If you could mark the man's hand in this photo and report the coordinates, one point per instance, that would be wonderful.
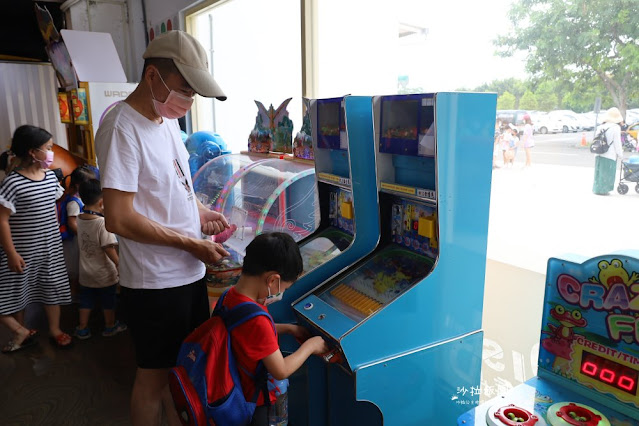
(208, 251)
(212, 222)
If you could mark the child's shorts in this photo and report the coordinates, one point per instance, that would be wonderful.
(89, 295)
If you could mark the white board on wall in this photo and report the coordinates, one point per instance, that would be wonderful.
(94, 56)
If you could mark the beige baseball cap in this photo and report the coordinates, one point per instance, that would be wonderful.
(190, 59)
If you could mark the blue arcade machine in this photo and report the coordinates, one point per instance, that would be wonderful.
(329, 209)
(405, 320)
(588, 366)
(349, 223)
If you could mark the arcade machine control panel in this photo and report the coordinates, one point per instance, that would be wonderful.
(588, 365)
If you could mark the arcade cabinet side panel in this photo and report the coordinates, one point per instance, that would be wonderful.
(361, 152)
(431, 386)
(448, 302)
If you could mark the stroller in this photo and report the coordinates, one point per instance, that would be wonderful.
(628, 143)
(629, 172)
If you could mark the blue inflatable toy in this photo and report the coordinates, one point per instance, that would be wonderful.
(194, 141)
(203, 147)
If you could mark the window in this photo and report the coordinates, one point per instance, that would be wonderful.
(253, 56)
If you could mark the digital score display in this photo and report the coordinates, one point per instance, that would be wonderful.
(609, 372)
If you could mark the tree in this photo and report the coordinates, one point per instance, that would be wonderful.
(512, 85)
(506, 101)
(546, 96)
(528, 101)
(579, 39)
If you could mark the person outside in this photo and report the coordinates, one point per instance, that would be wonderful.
(514, 143)
(271, 265)
(506, 141)
(98, 276)
(32, 268)
(150, 204)
(606, 163)
(527, 139)
(71, 206)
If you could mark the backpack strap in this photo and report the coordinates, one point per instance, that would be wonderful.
(235, 317)
(63, 217)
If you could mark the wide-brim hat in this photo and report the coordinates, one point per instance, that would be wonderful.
(612, 116)
(189, 57)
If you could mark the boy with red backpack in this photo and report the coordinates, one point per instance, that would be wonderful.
(271, 265)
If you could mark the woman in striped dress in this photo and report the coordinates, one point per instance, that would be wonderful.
(32, 267)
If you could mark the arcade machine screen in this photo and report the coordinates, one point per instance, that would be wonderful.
(377, 282)
(337, 224)
(333, 240)
(406, 258)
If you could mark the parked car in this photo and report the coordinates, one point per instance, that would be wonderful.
(543, 124)
(632, 115)
(588, 120)
(568, 122)
(512, 116)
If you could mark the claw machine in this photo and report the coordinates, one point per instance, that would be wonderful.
(588, 366)
(404, 322)
(256, 195)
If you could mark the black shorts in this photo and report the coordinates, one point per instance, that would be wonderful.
(159, 320)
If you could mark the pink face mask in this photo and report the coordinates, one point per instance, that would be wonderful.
(48, 160)
(175, 106)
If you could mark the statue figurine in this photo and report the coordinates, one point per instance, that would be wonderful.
(303, 142)
(273, 129)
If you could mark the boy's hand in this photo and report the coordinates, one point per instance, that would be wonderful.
(208, 251)
(300, 333)
(318, 345)
(16, 263)
(212, 222)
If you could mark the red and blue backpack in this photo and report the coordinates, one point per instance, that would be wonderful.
(63, 218)
(205, 384)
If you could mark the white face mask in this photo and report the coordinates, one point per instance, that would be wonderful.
(272, 298)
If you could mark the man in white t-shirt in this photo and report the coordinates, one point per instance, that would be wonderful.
(150, 204)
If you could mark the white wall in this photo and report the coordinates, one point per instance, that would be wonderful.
(113, 17)
(29, 95)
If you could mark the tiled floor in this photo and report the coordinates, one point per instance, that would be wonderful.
(88, 384)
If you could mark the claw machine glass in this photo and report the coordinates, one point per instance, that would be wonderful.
(256, 195)
(404, 322)
(588, 365)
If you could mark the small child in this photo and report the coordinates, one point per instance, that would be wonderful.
(271, 265)
(98, 263)
(70, 206)
(514, 144)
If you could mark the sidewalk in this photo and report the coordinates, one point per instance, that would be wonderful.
(548, 210)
